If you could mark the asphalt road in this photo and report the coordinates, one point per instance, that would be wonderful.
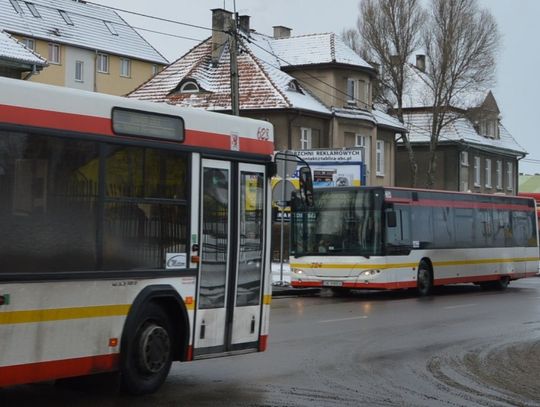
(460, 347)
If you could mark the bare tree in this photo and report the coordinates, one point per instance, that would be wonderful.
(351, 37)
(461, 41)
(390, 32)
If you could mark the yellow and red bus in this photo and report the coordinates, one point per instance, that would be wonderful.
(134, 234)
(393, 238)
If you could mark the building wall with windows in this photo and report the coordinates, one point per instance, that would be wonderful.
(63, 60)
(466, 170)
(337, 87)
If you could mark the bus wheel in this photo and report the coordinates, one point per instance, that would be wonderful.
(424, 281)
(147, 356)
(502, 283)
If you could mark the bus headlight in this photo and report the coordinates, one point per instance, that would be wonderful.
(298, 271)
(368, 273)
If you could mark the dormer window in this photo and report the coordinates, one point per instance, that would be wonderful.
(190, 87)
(295, 87)
(489, 128)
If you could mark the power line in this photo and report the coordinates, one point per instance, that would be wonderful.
(154, 17)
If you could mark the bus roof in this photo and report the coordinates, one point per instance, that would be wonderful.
(54, 107)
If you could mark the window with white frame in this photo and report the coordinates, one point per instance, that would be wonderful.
(54, 53)
(476, 171)
(488, 173)
(125, 67)
(79, 71)
(379, 164)
(510, 176)
(189, 87)
(465, 158)
(363, 92)
(305, 138)
(499, 174)
(103, 63)
(365, 142)
(29, 43)
(352, 91)
(155, 69)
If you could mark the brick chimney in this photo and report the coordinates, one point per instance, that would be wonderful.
(281, 31)
(244, 24)
(221, 21)
(421, 62)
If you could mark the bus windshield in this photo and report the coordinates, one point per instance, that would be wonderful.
(342, 222)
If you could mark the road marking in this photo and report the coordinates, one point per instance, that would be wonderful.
(343, 319)
(460, 306)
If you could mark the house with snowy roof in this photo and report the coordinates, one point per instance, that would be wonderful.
(86, 46)
(16, 60)
(475, 151)
(313, 88)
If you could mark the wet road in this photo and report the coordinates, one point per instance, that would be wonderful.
(461, 347)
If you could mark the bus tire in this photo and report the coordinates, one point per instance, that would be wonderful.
(424, 280)
(147, 356)
(502, 283)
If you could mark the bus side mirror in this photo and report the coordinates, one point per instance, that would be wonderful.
(306, 186)
(391, 219)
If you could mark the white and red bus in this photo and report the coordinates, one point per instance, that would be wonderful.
(393, 238)
(134, 234)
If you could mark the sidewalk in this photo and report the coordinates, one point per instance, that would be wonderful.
(281, 282)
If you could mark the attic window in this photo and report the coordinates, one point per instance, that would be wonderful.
(33, 9)
(189, 87)
(66, 17)
(295, 87)
(110, 27)
(16, 6)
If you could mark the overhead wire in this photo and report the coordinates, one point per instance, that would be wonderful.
(339, 91)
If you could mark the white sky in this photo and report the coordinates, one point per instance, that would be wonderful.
(517, 89)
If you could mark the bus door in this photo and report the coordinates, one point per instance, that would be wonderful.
(231, 248)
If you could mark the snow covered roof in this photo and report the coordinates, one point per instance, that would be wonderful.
(418, 92)
(262, 84)
(13, 51)
(315, 49)
(76, 23)
(460, 129)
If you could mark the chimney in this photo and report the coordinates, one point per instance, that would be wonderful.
(281, 31)
(221, 21)
(421, 62)
(244, 24)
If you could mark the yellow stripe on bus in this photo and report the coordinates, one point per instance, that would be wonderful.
(267, 299)
(60, 314)
(318, 265)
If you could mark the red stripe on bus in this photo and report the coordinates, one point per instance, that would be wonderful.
(189, 354)
(263, 343)
(56, 369)
(102, 126)
(55, 120)
(223, 142)
(412, 284)
(464, 204)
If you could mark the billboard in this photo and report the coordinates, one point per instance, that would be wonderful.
(334, 167)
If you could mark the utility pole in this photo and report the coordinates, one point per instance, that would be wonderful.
(235, 105)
